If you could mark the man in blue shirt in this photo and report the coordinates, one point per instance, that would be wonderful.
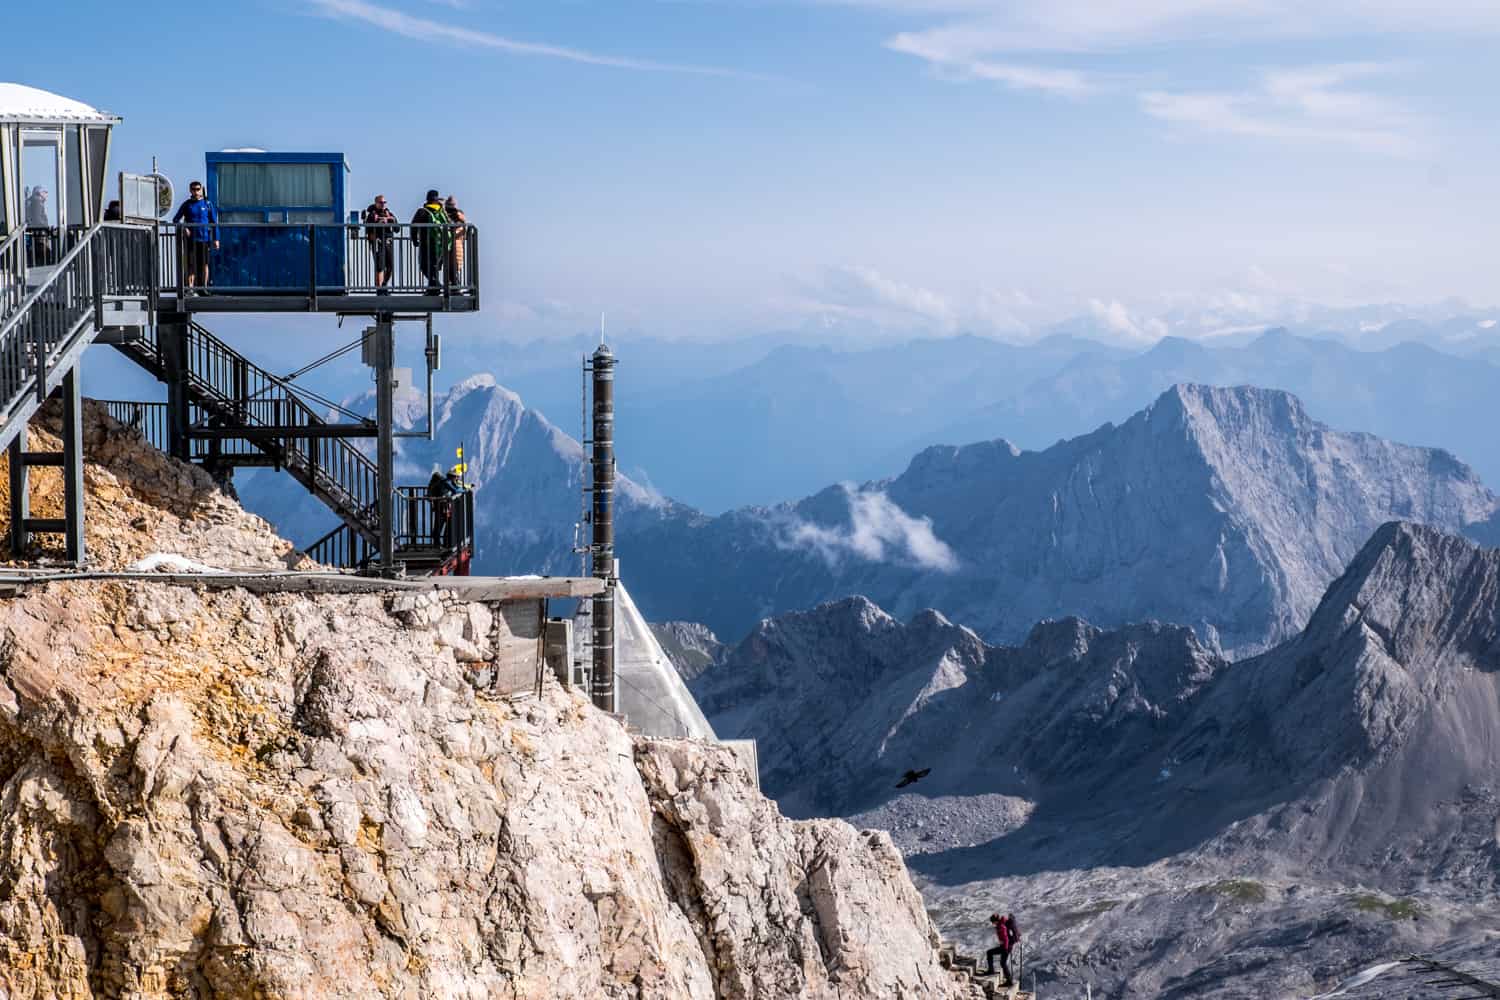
(202, 229)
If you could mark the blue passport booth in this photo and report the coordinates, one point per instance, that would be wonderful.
(281, 220)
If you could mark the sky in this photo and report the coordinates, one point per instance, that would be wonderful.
(710, 168)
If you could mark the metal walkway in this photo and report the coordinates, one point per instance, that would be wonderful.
(123, 285)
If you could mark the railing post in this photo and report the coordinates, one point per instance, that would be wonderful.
(172, 344)
(38, 322)
(100, 272)
(72, 400)
(20, 498)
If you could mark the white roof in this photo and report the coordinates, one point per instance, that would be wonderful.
(20, 103)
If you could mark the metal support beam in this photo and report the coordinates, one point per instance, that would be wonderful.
(72, 432)
(172, 336)
(384, 350)
(20, 499)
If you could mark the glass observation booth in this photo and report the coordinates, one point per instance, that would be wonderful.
(281, 219)
(54, 155)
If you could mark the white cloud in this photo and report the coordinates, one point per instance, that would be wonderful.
(1046, 46)
(860, 292)
(973, 29)
(1116, 317)
(878, 531)
(426, 30)
(1311, 104)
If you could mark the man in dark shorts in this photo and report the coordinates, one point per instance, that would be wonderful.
(198, 235)
(380, 233)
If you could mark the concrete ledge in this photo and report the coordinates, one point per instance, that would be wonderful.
(469, 588)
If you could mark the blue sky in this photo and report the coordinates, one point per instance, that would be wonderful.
(709, 167)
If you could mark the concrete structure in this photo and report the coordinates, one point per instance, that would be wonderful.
(649, 692)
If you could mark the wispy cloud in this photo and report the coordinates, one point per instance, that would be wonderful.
(424, 29)
(878, 531)
(1312, 104)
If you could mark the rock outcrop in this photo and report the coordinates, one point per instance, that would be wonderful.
(139, 502)
(212, 792)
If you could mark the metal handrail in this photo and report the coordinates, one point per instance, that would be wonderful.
(345, 472)
(12, 271)
(341, 258)
(25, 352)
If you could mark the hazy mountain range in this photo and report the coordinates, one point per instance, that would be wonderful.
(766, 419)
(1227, 510)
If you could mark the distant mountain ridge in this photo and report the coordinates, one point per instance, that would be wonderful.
(1227, 510)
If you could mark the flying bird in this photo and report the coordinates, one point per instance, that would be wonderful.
(912, 777)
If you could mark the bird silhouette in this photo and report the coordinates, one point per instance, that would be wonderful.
(912, 777)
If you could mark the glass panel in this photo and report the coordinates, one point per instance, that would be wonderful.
(306, 217)
(40, 161)
(304, 184)
(98, 152)
(7, 174)
(75, 196)
(228, 217)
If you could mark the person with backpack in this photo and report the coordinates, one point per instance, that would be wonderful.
(440, 492)
(433, 234)
(1007, 934)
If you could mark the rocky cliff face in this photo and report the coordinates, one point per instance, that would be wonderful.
(1227, 510)
(692, 647)
(844, 699)
(1172, 823)
(213, 792)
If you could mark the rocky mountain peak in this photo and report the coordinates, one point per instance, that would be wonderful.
(1422, 593)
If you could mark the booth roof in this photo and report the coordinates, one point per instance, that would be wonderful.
(20, 103)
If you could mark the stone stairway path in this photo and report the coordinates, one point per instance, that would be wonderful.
(964, 969)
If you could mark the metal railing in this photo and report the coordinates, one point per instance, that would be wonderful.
(344, 548)
(44, 322)
(444, 524)
(150, 419)
(249, 396)
(321, 259)
(43, 245)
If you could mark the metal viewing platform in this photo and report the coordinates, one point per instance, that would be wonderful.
(78, 268)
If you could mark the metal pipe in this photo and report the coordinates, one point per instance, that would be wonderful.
(602, 518)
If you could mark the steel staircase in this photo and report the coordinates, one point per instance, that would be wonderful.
(245, 415)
